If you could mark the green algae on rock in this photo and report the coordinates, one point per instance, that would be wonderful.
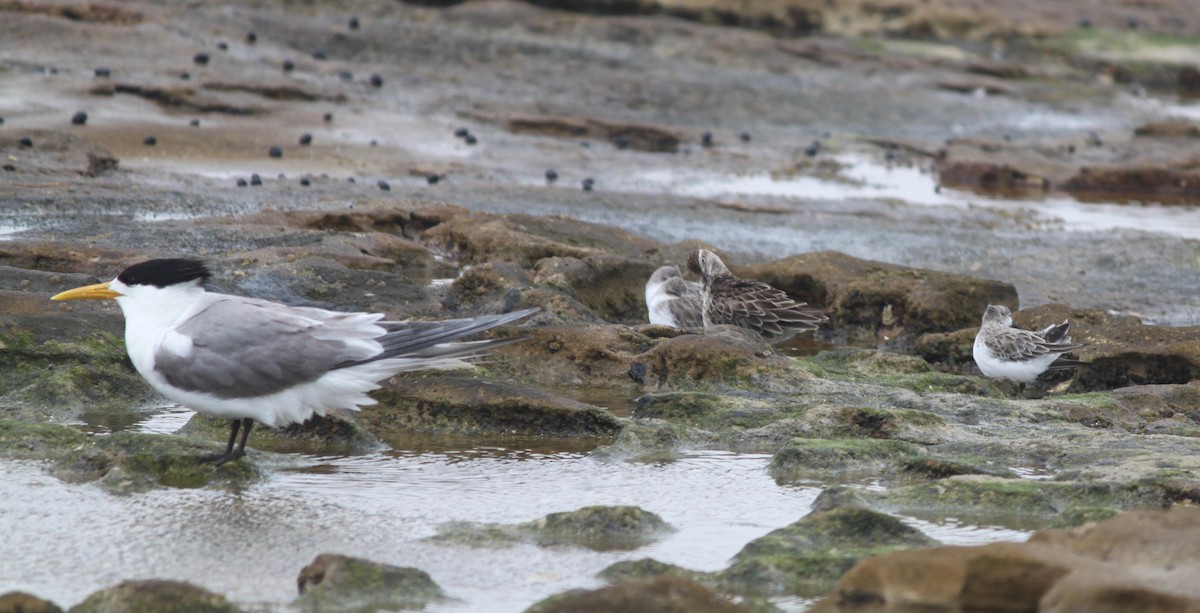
(20, 602)
(600, 528)
(806, 557)
(63, 379)
(456, 404)
(157, 596)
(822, 458)
(662, 595)
(343, 584)
(330, 434)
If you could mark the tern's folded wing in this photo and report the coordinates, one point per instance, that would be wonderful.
(246, 348)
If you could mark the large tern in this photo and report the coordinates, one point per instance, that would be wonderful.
(251, 360)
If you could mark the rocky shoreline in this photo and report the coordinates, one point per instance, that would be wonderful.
(884, 410)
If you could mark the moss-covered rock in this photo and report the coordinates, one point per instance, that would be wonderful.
(895, 370)
(20, 602)
(601, 528)
(804, 459)
(334, 582)
(648, 568)
(806, 557)
(21, 439)
(128, 462)
(724, 356)
(63, 379)
(331, 434)
(155, 596)
(662, 595)
(456, 404)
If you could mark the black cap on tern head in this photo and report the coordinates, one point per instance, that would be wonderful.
(164, 272)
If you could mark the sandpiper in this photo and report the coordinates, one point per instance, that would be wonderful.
(1002, 351)
(749, 304)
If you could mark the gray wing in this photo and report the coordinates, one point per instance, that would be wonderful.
(1017, 345)
(687, 303)
(243, 348)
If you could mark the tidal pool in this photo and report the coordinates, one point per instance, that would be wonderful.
(67, 540)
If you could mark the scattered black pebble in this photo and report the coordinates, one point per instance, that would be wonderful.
(9, 167)
(376, 81)
(223, 46)
(813, 149)
(637, 372)
(255, 179)
(1070, 148)
(470, 139)
(275, 151)
(251, 37)
(306, 139)
(551, 175)
(25, 141)
(149, 141)
(79, 118)
(346, 75)
(281, 176)
(351, 180)
(185, 75)
(433, 179)
(374, 143)
(745, 137)
(241, 183)
(1, 120)
(621, 142)
(706, 139)
(103, 72)
(328, 117)
(890, 155)
(461, 133)
(1008, 137)
(305, 182)
(200, 58)
(354, 23)
(588, 183)
(1085, 23)
(937, 189)
(383, 185)
(318, 54)
(1132, 23)
(1095, 140)
(826, 134)
(288, 65)
(195, 123)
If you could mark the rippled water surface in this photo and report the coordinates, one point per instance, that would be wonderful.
(72, 539)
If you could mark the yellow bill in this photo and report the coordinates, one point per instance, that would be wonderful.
(99, 291)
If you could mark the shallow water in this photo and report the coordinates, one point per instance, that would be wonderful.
(73, 539)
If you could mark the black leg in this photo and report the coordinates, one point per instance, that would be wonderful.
(233, 430)
(217, 459)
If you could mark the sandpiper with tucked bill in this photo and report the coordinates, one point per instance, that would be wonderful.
(1004, 352)
(750, 304)
(251, 360)
(674, 301)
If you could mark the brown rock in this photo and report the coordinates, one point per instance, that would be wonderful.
(723, 355)
(635, 136)
(525, 239)
(611, 286)
(1162, 182)
(995, 165)
(1172, 128)
(874, 300)
(557, 356)
(155, 595)
(661, 595)
(334, 582)
(20, 602)
(1122, 350)
(1138, 561)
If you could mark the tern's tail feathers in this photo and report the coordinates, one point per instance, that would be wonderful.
(432, 340)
